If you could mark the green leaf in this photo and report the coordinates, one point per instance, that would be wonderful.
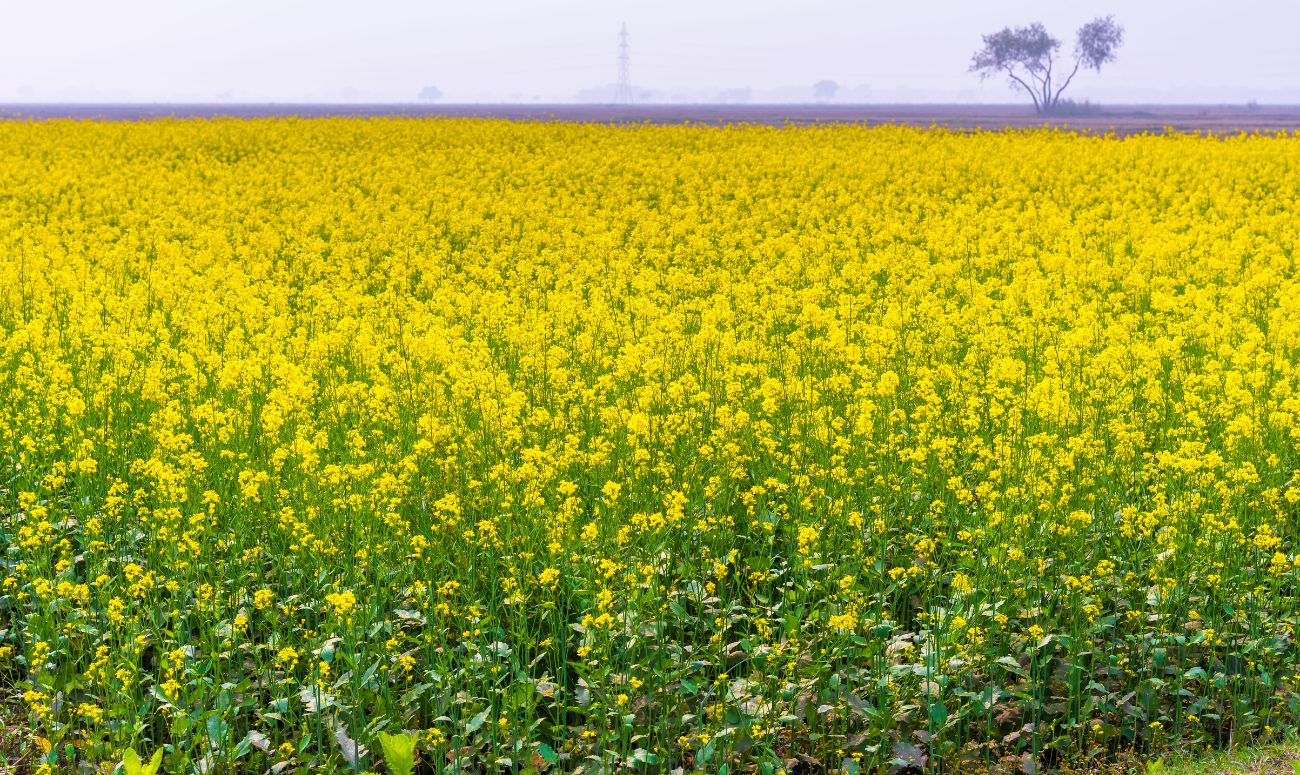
(370, 673)
(399, 752)
(217, 730)
(131, 762)
(477, 721)
(242, 749)
(938, 713)
(1012, 666)
(132, 766)
(548, 753)
(518, 695)
(414, 694)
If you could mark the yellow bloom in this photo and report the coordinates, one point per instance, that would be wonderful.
(342, 602)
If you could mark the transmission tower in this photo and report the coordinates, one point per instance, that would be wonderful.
(623, 89)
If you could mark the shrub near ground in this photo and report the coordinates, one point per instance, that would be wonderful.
(586, 447)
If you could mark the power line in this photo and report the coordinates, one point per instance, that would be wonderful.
(623, 87)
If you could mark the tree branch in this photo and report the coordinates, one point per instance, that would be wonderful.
(1047, 86)
(1032, 94)
(1057, 97)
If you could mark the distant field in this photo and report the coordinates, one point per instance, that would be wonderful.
(1125, 119)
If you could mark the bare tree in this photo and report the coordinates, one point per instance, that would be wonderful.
(825, 90)
(1027, 56)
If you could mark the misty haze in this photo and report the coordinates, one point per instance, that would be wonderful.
(1188, 51)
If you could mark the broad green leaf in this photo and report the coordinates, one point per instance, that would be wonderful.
(477, 721)
(132, 765)
(131, 762)
(217, 730)
(938, 713)
(399, 752)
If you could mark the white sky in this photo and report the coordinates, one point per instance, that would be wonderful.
(525, 50)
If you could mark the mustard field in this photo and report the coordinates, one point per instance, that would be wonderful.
(473, 446)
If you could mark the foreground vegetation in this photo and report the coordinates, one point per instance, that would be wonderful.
(1276, 759)
(560, 447)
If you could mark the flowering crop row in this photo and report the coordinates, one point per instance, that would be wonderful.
(573, 447)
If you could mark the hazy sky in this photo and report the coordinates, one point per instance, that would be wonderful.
(476, 50)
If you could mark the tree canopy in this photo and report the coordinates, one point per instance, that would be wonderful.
(1027, 56)
(825, 90)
